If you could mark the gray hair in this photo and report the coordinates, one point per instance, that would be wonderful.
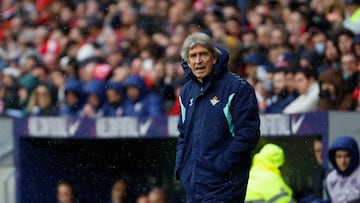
(198, 38)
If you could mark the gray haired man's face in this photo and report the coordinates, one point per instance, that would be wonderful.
(201, 61)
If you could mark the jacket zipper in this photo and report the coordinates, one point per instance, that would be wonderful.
(202, 88)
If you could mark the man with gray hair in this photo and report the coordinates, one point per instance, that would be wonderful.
(218, 125)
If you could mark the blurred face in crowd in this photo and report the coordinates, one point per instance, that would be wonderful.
(318, 147)
(345, 43)
(113, 96)
(230, 11)
(319, 41)
(278, 82)
(176, 12)
(304, 63)
(302, 83)
(171, 69)
(71, 98)
(289, 82)
(58, 78)
(40, 73)
(65, 194)
(277, 37)
(233, 27)
(157, 197)
(248, 39)
(295, 23)
(93, 100)
(86, 72)
(331, 53)
(348, 64)
(201, 61)
(50, 60)
(142, 199)
(254, 18)
(133, 93)
(119, 192)
(120, 73)
(218, 30)
(8, 80)
(263, 35)
(158, 72)
(43, 97)
(342, 159)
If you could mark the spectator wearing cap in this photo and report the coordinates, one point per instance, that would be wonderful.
(139, 101)
(352, 13)
(256, 69)
(73, 101)
(308, 88)
(95, 94)
(115, 94)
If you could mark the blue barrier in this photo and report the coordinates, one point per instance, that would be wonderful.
(38, 169)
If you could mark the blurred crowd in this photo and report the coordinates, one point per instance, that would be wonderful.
(122, 57)
(120, 193)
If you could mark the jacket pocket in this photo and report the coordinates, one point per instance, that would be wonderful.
(209, 167)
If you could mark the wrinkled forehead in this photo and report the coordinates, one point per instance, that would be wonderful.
(198, 46)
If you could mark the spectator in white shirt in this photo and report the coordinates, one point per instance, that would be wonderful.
(308, 89)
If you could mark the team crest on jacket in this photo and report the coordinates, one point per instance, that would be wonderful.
(214, 100)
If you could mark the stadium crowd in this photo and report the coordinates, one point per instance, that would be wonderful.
(121, 57)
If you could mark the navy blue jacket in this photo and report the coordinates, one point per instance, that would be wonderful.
(219, 127)
(75, 86)
(147, 104)
(111, 110)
